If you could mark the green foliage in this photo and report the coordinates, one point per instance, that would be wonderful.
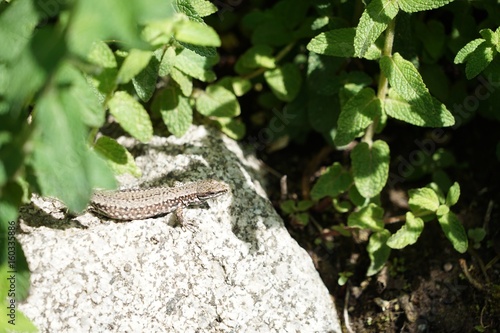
(297, 210)
(317, 70)
(62, 68)
(479, 53)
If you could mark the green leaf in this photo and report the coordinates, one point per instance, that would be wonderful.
(478, 60)
(118, 158)
(80, 96)
(323, 76)
(369, 217)
(257, 56)
(408, 234)
(203, 7)
(9, 204)
(333, 182)
(145, 82)
(131, 116)
(217, 101)
(356, 198)
(240, 86)
(356, 115)
(195, 65)
(304, 205)
(31, 69)
(343, 277)
(454, 231)
(403, 77)
(322, 111)
(135, 62)
(378, 251)
(167, 60)
(453, 194)
(373, 22)
(337, 43)
(64, 166)
(430, 113)
(423, 201)
(433, 36)
(196, 33)
(17, 22)
(288, 206)
(284, 81)
(233, 128)
(370, 167)
(95, 20)
(408, 84)
(101, 54)
(442, 210)
(174, 109)
(476, 234)
(184, 81)
(467, 50)
(412, 6)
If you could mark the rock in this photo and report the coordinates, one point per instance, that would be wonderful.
(237, 271)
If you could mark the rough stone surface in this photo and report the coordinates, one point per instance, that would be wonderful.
(237, 271)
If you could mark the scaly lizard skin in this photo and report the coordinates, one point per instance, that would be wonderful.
(144, 203)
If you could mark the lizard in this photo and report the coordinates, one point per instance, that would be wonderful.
(138, 204)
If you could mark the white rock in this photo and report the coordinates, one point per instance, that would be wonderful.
(237, 271)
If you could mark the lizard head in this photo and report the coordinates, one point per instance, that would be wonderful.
(211, 188)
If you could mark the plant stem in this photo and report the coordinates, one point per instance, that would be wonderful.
(383, 84)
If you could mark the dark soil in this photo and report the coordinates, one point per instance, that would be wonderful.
(426, 287)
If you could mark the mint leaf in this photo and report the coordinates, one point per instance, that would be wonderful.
(195, 65)
(101, 54)
(373, 22)
(167, 60)
(478, 60)
(145, 82)
(412, 6)
(453, 194)
(454, 231)
(356, 115)
(196, 33)
(68, 169)
(118, 158)
(184, 81)
(333, 182)
(174, 109)
(430, 113)
(467, 50)
(233, 128)
(378, 251)
(203, 7)
(338, 43)
(369, 217)
(258, 56)
(408, 234)
(217, 101)
(370, 167)
(408, 84)
(131, 116)
(403, 77)
(135, 62)
(423, 201)
(17, 22)
(284, 81)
